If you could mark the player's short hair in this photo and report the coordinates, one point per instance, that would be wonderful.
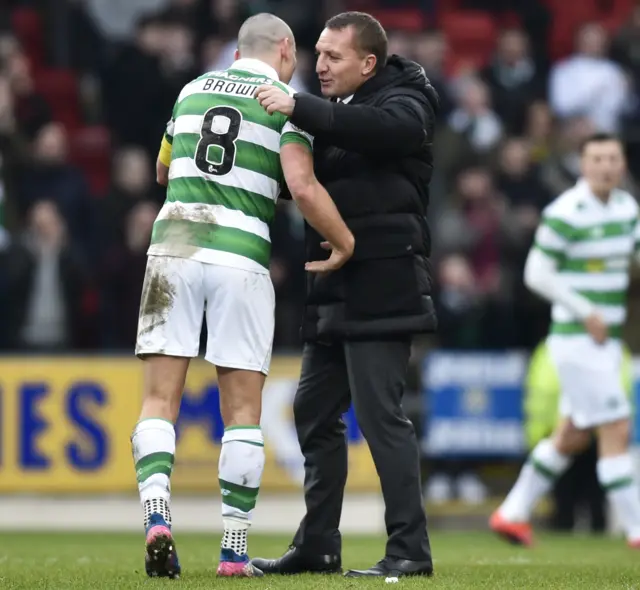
(260, 33)
(369, 34)
(600, 137)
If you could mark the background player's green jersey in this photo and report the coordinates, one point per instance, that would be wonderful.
(225, 173)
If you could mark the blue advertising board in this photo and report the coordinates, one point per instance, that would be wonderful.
(473, 404)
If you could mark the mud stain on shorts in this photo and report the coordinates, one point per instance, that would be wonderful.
(158, 296)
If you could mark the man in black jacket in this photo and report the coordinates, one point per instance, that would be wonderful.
(374, 157)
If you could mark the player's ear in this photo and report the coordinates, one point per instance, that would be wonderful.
(236, 55)
(285, 48)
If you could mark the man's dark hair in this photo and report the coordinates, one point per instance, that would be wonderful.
(369, 34)
(600, 137)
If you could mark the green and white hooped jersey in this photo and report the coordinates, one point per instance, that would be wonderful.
(592, 244)
(225, 174)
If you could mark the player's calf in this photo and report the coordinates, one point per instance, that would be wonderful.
(616, 474)
(241, 465)
(240, 472)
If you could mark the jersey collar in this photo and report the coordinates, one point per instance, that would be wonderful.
(586, 191)
(255, 66)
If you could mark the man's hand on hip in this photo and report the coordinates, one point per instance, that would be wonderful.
(337, 259)
(274, 100)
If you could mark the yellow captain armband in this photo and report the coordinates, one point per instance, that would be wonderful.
(165, 152)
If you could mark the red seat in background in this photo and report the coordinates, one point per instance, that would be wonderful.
(26, 25)
(90, 150)
(471, 35)
(60, 89)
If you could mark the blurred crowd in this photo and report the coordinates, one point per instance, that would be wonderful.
(72, 252)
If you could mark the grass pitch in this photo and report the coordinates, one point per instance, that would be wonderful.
(462, 561)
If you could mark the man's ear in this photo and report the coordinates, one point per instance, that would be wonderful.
(236, 55)
(369, 65)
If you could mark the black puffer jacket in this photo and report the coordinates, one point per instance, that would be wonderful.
(374, 157)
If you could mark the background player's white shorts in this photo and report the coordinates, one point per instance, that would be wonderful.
(590, 375)
(239, 305)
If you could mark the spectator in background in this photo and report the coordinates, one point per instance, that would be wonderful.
(518, 180)
(177, 57)
(11, 149)
(626, 44)
(117, 19)
(138, 100)
(123, 274)
(401, 43)
(534, 16)
(562, 169)
(46, 280)
(626, 51)
(49, 175)
(458, 304)
(184, 12)
(539, 130)
(430, 51)
(31, 109)
(473, 129)
(589, 84)
(514, 79)
(485, 232)
(132, 184)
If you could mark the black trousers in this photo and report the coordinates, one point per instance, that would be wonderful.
(579, 488)
(372, 375)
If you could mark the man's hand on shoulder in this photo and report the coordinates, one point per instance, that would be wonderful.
(274, 100)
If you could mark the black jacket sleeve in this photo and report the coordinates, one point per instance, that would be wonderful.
(399, 126)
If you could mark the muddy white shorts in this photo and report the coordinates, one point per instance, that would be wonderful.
(590, 375)
(239, 307)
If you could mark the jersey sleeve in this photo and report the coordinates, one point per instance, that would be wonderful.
(164, 154)
(292, 134)
(552, 237)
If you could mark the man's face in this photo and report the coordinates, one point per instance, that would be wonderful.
(592, 41)
(603, 165)
(341, 67)
(513, 47)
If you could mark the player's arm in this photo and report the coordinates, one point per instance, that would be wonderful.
(164, 155)
(541, 268)
(541, 275)
(316, 205)
(400, 125)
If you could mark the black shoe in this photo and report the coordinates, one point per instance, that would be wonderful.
(295, 561)
(394, 568)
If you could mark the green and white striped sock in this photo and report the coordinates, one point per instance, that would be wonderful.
(154, 446)
(536, 478)
(240, 472)
(617, 477)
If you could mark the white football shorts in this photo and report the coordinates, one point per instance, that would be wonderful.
(590, 375)
(239, 307)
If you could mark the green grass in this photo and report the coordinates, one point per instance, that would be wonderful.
(462, 561)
